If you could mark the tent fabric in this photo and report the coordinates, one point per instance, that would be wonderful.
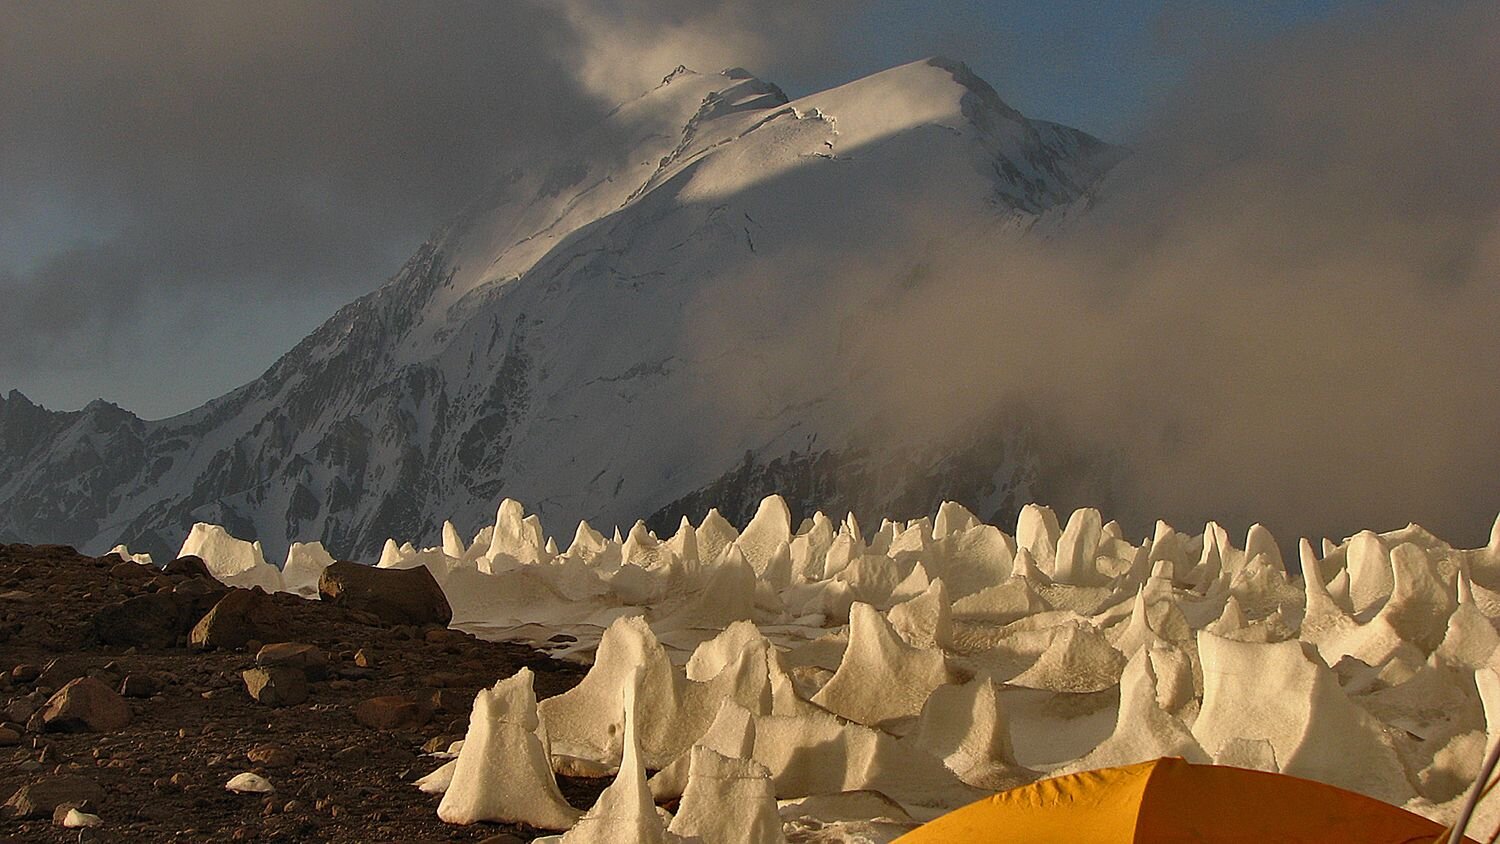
(1171, 800)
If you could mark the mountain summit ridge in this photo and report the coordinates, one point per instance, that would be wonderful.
(593, 336)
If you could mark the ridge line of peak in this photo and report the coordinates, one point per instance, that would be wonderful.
(965, 76)
(680, 70)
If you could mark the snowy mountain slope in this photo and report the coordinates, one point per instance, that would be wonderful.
(602, 334)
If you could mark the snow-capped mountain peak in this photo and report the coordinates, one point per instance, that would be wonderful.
(560, 342)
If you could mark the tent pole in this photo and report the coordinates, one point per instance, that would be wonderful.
(1490, 761)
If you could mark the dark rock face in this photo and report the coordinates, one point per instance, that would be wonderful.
(240, 617)
(397, 596)
(86, 705)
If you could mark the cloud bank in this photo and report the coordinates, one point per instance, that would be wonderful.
(1282, 307)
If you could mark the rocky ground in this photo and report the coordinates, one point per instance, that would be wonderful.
(127, 695)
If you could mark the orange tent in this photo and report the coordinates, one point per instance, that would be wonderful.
(1171, 800)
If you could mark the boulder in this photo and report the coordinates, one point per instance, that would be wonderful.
(397, 596)
(189, 566)
(145, 621)
(203, 589)
(19, 710)
(85, 705)
(41, 798)
(271, 756)
(391, 712)
(132, 571)
(61, 669)
(276, 685)
(309, 659)
(139, 685)
(241, 616)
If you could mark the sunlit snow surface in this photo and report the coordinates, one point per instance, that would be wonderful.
(851, 681)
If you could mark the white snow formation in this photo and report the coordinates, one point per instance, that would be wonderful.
(504, 772)
(786, 684)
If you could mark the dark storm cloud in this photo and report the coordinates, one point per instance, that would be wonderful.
(159, 152)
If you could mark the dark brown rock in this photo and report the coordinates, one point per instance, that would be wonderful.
(199, 587)
(40, 798)
(139, 685)
(365, 617)
(397, 596)
(198, 594)
(240, 616)
(154, 620)
(450, 700)
(271, 756)
(190, 566)
(60, 670)
(21, 709)
(133, 571)
(309, 659)
(276, 685)
(391, 712)
(85, 705)
(61, 810)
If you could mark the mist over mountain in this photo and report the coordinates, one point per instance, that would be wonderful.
(598, 336)
(1277, 307)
